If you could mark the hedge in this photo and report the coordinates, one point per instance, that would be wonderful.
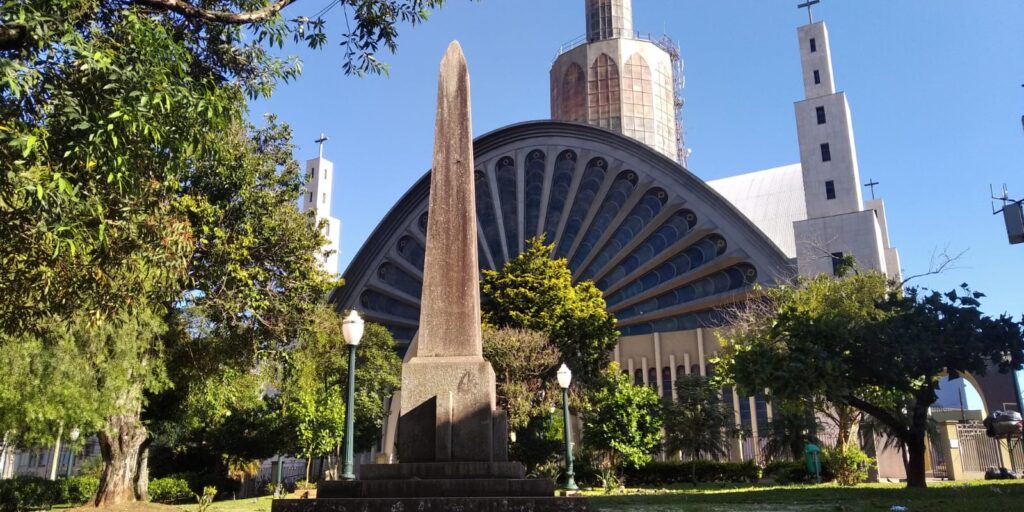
(788, 472)
(661, 473)
(171, 489)
(29, 492)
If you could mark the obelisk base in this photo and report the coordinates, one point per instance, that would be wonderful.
(449, 412)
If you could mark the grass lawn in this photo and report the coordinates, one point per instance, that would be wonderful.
(952, 497)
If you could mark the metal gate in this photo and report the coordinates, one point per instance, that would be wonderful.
(978, 452)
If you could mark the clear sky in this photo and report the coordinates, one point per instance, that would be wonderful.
(934, 88)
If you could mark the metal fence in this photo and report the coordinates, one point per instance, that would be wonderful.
(978, 452)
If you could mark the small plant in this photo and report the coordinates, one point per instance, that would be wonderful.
(548, 470)
(610, 480)
(849, 465)
(305, 485)
(204, 501)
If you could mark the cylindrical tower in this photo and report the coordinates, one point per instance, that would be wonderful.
(617, 80)
(609, 18)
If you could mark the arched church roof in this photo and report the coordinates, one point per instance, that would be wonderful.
(663, 246)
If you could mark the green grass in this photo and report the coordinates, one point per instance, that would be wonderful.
(947, 496)
(952, 496)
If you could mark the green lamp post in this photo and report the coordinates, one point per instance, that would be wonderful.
(352, 330)
(564, 379)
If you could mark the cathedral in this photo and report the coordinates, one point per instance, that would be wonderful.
(605, 180)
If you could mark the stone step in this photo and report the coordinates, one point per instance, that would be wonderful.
(536, 504)
(435, 470)
(436, 488)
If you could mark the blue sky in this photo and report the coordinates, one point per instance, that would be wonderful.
(934, 88)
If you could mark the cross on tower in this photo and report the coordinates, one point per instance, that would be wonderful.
(871, 184)
(808, 5)
(320, 141)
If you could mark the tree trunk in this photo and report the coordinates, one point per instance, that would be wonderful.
(915, 468)
(142, 472)
(121, 442)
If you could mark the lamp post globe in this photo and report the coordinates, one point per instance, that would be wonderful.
(352, 331)
(564, 375)
(73, 436)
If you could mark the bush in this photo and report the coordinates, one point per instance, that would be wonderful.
(28, 492)
(169, 489)
(78, 489)
(786, 472)
(848, 466)
(662, 473)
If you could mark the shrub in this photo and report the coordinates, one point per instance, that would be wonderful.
(848, 466)
(303, 485)
(78, 489)
(785, 472)
(28, 492)
(169, 490)
(661, 473)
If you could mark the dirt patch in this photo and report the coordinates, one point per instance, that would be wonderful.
(127, 507)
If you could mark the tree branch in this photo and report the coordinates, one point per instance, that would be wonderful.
(882, 415)
(188, 10)
(945, 262)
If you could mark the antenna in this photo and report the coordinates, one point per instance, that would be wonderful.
(1013, 214)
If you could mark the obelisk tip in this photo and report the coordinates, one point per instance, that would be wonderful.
(453, 56)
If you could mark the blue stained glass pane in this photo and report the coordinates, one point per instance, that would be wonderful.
(410, 250)
(593, 176)
(374, 301)
(506, 176)
(534, 187)
(398, 279)
(745, 412)
(673, 229)
(617, 195)
(565, 166)
(487, 219)
(761, 409)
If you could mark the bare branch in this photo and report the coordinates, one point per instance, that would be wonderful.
(189, 10)
(938, 264)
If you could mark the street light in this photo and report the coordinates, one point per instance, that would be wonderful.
(73, 436)
(352, 330)
(564, 379)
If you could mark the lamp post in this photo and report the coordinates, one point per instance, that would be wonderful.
(352, 330)
(73, 436)
(564, 378)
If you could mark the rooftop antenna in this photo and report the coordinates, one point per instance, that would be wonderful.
(807, 5)
(320, 141)
(1013, 214)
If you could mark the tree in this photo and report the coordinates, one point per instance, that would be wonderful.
(524, 362)
(792, 427)
(316, 377)
(859, 342)
(697, 423)
(623, 421)
(534, 291)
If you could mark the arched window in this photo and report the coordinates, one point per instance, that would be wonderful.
(603, 93)
(572, 95)
(680, 371)
(666, 382)
(637, 100)
(638, 377)
(709, 370)
(695, 369)
(652, 378)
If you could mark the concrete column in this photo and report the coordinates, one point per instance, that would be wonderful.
(629, 365)
(735, 448)
(643, 364)
(686, 363)
(700, 352)
(755, 447)
(616, 354)
(951, 450)
(675, 377)
(657, 364)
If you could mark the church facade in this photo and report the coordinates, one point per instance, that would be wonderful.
(603, 182)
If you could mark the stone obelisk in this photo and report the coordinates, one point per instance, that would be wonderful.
(448, 410)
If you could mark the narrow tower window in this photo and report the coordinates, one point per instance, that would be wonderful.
(820, 112)
(826, 153)
(837, 261)
(814, 45)
(310, 200)
(324, 200)
(830, 189)
(817, 77)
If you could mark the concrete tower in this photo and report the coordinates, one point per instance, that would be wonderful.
(317, 199)
(838, 222)
(616, 80)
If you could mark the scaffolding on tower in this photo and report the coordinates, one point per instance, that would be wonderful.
(671, 47)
